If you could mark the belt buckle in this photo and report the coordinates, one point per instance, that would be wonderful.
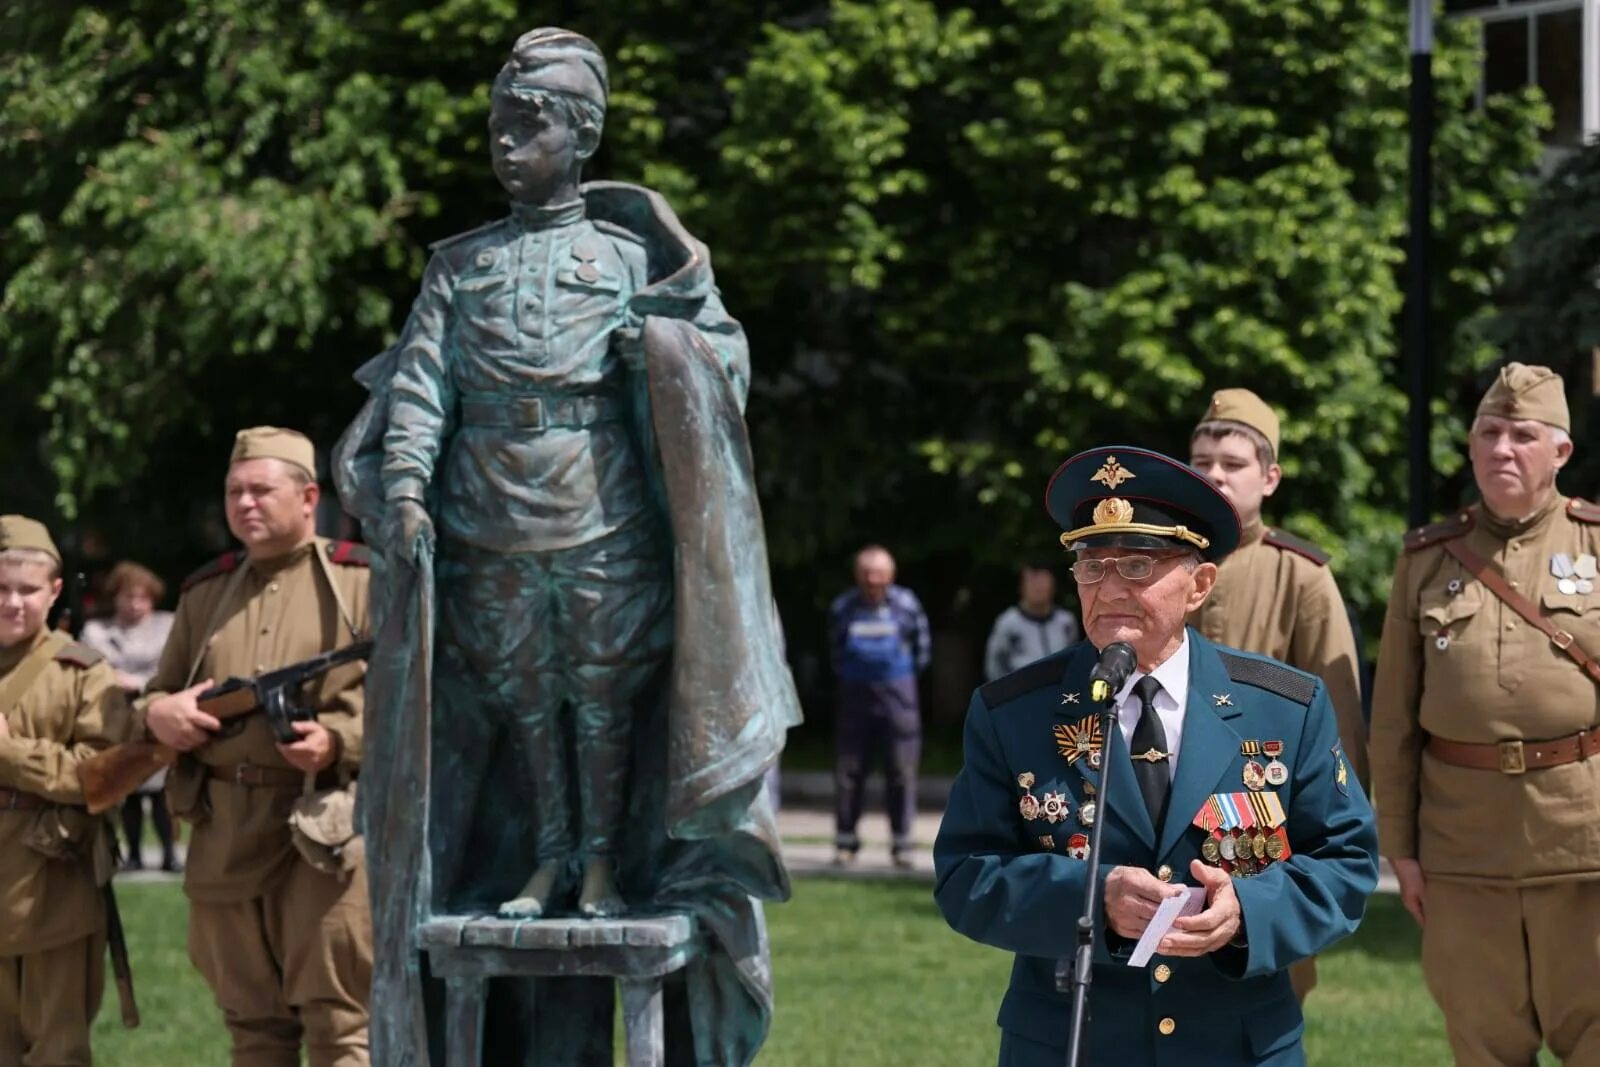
(1561, 639)
(532, 411)
(1511, 758)
(240, 773)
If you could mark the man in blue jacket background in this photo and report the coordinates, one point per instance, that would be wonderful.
(1228, 775)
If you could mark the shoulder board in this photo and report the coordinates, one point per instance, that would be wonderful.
(1298, 545)
(349, 554)
(78, 655)
(221, 565)
(1445, 530)
(1278, 678)
(455, 239)
(1583, 510)
(1040, 674)
(612, 228)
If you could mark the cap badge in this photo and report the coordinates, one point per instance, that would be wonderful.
(1111, 473)
(1113, 511)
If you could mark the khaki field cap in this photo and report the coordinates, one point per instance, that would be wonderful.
(270, 442)
(1525, 391)
(19, 531)
(1241, 405)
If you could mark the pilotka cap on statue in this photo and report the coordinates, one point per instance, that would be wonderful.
(1526, 391)
(19, 531)
(271, 442)
(554, 60)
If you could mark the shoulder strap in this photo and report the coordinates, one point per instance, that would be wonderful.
(1583, 511)
(21, 679)
(1445, 530)
(325, 568)
(1298, 545)
(1485, 573)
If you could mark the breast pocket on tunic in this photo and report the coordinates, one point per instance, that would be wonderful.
(1577, 615)
(1450, 614)
(483, 301)
(587, 293)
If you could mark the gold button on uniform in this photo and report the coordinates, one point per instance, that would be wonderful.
(1163, 972)
(1164, 873)
(1166, 1026)
(273, 588)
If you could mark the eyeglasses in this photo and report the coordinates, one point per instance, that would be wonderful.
(1132, 568)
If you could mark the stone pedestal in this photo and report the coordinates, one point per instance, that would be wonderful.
(639, 951)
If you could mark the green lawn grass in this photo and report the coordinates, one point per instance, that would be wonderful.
(866, 972)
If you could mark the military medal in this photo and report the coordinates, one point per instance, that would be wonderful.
(1078, 846)
(1226, 848)
(1210, 851)
(1029, 804)
(1258, 844)
(1277, 847)
(1585, 570)
(1047, 843)
(1054, 807)
(1086, 813)
(1277, 773)
(1077, 740)
(1566, 572)
(1441, 640)
(1255, 775)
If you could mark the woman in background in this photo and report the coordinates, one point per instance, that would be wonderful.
(132, 640)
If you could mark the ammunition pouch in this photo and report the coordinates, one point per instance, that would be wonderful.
(186, 790)
(322, 825)
(61, 832)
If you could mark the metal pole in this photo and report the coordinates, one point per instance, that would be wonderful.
(1419, 279)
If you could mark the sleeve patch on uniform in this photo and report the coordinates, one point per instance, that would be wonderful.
(349, 554)
(1036, 675)
(1298, 545)
(79, 655)
(221, 565)
(1341, 772)
(1273, 677)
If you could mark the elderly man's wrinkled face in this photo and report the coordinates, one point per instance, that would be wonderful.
(1149, 613)
(1514, 462)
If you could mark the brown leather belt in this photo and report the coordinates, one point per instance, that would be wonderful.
(249, 774)
(13, 800)
(1515, 757)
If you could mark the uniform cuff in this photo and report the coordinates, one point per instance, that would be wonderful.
(408, 488)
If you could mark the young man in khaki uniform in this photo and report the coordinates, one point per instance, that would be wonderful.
(1483, 738)
(1275, 594)
(59, 703)
(285, 947)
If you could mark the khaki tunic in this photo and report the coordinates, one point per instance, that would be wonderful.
(1275, 596)
(72, 710)
(1458, 663)
(276, 612)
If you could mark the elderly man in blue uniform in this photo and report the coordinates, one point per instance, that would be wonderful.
(1228, 775)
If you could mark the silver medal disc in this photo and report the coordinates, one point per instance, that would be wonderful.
(1568, 586)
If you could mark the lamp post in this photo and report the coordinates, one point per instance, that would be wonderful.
(1418, 277)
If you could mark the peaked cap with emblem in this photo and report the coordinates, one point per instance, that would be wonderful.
(272, 442)
(1119, 496)
(550, 59)
(1247, 409)
(19, 531)
(1527, 391)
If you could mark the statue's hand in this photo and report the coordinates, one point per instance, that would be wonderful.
(410, 527)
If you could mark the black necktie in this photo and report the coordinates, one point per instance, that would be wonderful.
(1149, 751)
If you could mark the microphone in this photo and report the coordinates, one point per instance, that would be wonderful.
(1117, 661)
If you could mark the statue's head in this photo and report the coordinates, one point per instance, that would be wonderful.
(546, 113)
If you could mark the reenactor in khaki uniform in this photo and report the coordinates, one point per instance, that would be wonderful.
(59, 703)
(1484, 736)
(1275, 594)
(285, 946)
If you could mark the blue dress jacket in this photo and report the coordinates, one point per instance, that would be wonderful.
(1012, 881)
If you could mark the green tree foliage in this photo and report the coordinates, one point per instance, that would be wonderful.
(965, 240)
(1551, 298)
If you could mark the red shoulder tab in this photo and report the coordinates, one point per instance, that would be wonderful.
(1583, 510)
(81, 656)
(349, 554)
(1298, 545)
(1447, 530)
(224, 563)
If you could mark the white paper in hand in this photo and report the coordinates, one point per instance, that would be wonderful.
(1189, 903)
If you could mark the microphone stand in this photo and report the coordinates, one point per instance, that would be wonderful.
(1077, 971)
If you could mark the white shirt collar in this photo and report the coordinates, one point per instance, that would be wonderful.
(1172, 673)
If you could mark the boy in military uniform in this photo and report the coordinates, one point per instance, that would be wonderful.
(285, 945)
(1228, 776)
(59, 704)
(1484, 735)
(1274, 593)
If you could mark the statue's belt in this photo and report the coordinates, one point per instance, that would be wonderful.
(539, 412)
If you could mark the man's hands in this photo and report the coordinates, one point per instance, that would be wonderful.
(1413, 887)
(177, 721)
(1132, 897)
(1219, 923)
(410, 525)
(315, 751)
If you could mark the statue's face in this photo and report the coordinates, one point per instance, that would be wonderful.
(534, 150)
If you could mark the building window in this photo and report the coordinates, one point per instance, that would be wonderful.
(1543, 43)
